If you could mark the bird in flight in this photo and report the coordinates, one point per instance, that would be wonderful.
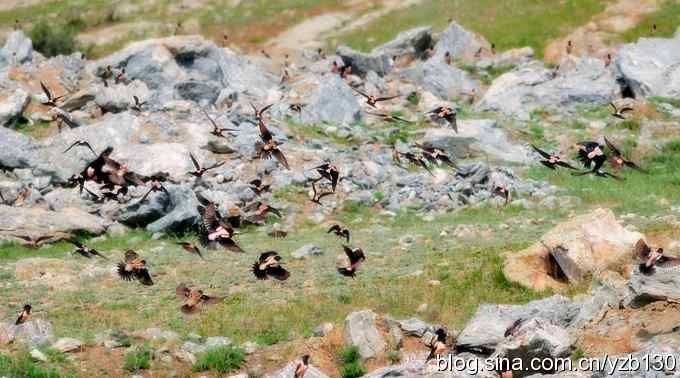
(339, 231)
(552, 161)
(84, 250)
(191, 248)
(268, 148)
(389, 118)
(445, 113)
(51, 99)
(269, 266)
(317, 195)
(617, 160)
(356, 257)
(652, 259)
(137, 106)
(620, 112)
(194, 300)
(134, 267)
(217, 131)
(81, 143)
(199, 170)
(213, 229)
(329, 172)
(373, 100)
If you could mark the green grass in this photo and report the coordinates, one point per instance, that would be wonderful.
(139, 358)
(22, 365)
(351, 362)
(665, 17)
(508, 24)
(222, 360)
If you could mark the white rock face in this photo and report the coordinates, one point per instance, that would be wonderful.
(361, 331)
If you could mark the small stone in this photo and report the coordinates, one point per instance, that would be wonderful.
(249, 347)
(38, 355)
(306, 251)
(66, 344)
(217, 341)
(434, 283)
(323, 329)
(422, 308)
(117, 229)
(184, 356)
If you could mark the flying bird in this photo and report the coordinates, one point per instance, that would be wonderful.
(194, 300)
(651, 259)
(269, 266)
(617, 160)
(258, 186)
(199, 170)
(24, 315)
(502, 191)
(51, 100)
(412, 158)
(268, 148)
(339, 231)
(514, 328)
(591, 154)
(216, 131)
(445, 113)
(329, 172)
(389, 118)
(259, 113)
(436, 156)
(438, 346)
(156, 186)
(356, 257)
(137, 105)
(134, 267)
(317, 195)
(620, 112)
(373, 100)
(214, 229)
(84, 250)
(552, 161)
(191, 248)
(80, 143)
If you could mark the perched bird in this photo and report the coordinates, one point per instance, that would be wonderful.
(156, 186)
(51, 100)
(216, 131)
(608, 60)
(134, 267)
(438, 346)
(502, 191)
(356, 257)
(329, 172)
(493, 49)
(654, 28)
(258, 186)
(651, 259)
(317, 195)
(447, 58)
(445, 113)
(296, 107)
(199, 171)
(619, 112)
(189, 247)
(268, 147)
(552, 161)
(570, 47)
(269, 266)
(340, 231)
(617, 160)
(591, 154)
(137, 105)
(60, 117)
(81, 143)
(436, 156)
(194, 300)
(120, 77)
(389, 118)
(84, 250)
(106, 75)
(214, 229)
(24, 315)
(259, 113)
(302, 366)
(373, 100)
(514, 328)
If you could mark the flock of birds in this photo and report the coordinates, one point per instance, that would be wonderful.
(216, 230)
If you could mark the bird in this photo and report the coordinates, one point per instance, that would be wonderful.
(258, 186)
(591, 154)
(356, 257)
(138, 104)
(24, 315)
(317, 195)
(552, 161)
(654, 28)
(51, 100)
(259, 113)
(570, 47)
(438, 346)
(81, 143)
(84, 250)
(514, 328)
(652, 259)
(33, 242)
(120, 77)
(608, 60)
(302, 366)
(156, 186)
(106, 75)
(199, 171)
(214, 229)
(329, 172)
(269, 266)
(617, 160)
(414, 159)
(268, 147)
(60, 117)
(134, 267)
(445, 113)
(436, 156)
(502, 191)
(216, 131)
(373, 100)
(340, 231)
(619, 112)
(389, 118)
(259, 210)
(194, 300)
(191, 248)
(296, 107)
(447, 58)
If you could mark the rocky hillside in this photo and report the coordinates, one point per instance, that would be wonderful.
(460, 241)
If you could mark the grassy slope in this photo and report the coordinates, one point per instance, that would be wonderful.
(508, 24)
(666, 18)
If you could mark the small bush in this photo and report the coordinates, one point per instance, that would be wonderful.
(60, 40)
(413, 98)
(350, 354)
(23, 366)
(271, 337)
(353, 370)
(138, 359)
(672, 147)
(394, 356)
(222, 360)
(630, 124)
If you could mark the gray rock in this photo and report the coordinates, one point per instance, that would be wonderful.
(18, 49)
(67, 344)
(656, 355)
(119, 97)
(33, 333)
(307, 251)
(459, 42)
(193, 348)
(20, 151)
(38, 355)
(362, 63)
(323, 329)
(330, 100)
(289, 371)
(414, 327)
(217, 341)
(661, 285)
(157, 334)
(411, 43)
(485, 330)
(442, 80)
(197, 91)
(649, 67)
(12, 107)
(594, 306)
(361, 331)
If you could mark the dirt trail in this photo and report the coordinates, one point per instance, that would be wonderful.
(593, 37)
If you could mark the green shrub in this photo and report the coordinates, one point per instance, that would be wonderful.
(51, 41)
(271, 337)
(222, 359)
(137, 359)
(353, 370)
(672, 147)
(350, 354)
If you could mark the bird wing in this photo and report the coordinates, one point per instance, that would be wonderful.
(281, 158)
(143, 276)
(668, 262)
(385, 98)
(46, 90)
(334, 228)
(130, 256)
(230, 244)
(265, 134)
(216, 165)
(360, 92)
(278, 272)
(564, 164)
(263, 110)
(541, 152)
(194, 161)
(612, 147)
(182, 291)
(642, 250)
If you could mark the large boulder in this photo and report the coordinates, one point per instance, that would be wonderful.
(32, 333)
(362, 332)
(579, 81)
(443, 80)
(662, 285)
(12, 107)
(329, 100)
(487, 327)
(18, 49)
(459, 42)
(412, 43)
(20, 151)
(363, 63)
(118, 97)
(651, 66)
(586, 244)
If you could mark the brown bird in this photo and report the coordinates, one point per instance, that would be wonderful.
(194, 300)
(552, 161)
(259, 113)
(591, 153)
(502, 191)
(356, 257)
(373, 100)
(654, 28)
(217, 131)
(329, 172)
(138, 104)
(199, 170)
(84, 250)
(389, 118)
(61, 117)
(24, 315)
(651, 259)
(51, 100)
(599, 173)
(317, 195)
(191, 248)
(268, 147)
(258, 186)
(414, 159)
(447, 58)
(269, 266)
(214, 229)
(31, 242)
(608, 60)
(493, 49)
(134, 267)
(156, 186)
(570, 47)
(106, 75)
(80, 143)
(259, 210)
(438, 346)
(445, 113)
(297, 107)
(619, 112)
(302, 366)
(514, 328)
(436, 156)
(617, 160)
(340, 231)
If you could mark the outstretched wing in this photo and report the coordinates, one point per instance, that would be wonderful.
(541, 152)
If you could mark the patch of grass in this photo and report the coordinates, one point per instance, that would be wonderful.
(537, 133)
(630, 124)
(508, 24)
(23, 366)
(413, 98)
(139, 358)
(675, 102)
(351, 362)
(223, 360)
(353, 370)
(666, 20)
(54, 356)
(672, 147)
(52, 41)
(271, 337)
(37, 130)
(394, 357)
